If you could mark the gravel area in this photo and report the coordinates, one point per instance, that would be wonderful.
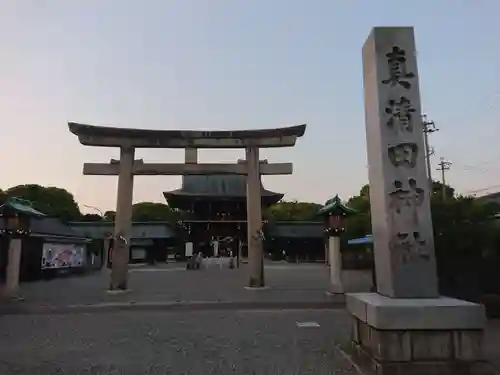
(235, 342)
(175, 321)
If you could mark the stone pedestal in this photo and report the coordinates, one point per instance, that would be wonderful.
(12, 277)
(335, 259)
(416, 336)
(123, 221)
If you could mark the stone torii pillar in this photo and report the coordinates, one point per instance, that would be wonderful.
(254, 219)
(123, 221)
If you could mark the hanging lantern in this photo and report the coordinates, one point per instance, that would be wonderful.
(334, 213)
(335, 223)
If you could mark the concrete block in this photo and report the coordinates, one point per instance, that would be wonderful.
(442, 313)
(392, 346)
(468, 345)
(355, 330)
(418, 352)
(365, 335)
(431, 345)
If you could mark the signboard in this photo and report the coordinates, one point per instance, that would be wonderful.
(55, 256)
(138, 253)
(189, 249)
(215, 247)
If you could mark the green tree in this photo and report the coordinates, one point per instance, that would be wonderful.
(359, 225)
(91, 217)
(151, 211)
(463, 225)
(109, 215)
(50, 200)
(294, 211)
(437, 190)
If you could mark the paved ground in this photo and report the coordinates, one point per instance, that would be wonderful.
(234, 340)
(172, 284)
(66, 325)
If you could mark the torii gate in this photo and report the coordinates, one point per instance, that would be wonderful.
(125, 168)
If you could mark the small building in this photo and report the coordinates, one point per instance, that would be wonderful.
(51, 247)
(295, 240)
(150, 241)
(215, 212)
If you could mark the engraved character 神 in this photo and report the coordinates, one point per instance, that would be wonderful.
(397, 69)
(418, 193)
(399, 197)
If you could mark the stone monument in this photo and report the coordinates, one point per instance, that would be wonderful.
(405, 328)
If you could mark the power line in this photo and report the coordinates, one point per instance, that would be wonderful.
(444, 166)
(483, 189)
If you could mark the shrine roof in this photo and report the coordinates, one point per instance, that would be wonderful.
(139, 230)
(92, 135)
(19, 205)
(217, 186)
(335, 206)
(52, 227)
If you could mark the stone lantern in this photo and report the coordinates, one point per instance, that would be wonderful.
(15, 216)
(334, 213)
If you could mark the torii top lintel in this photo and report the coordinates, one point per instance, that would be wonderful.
(91, 135)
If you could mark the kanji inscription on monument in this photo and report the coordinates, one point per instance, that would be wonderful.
(401, 217)
(403, 155)
(398, 74)
(400, 112)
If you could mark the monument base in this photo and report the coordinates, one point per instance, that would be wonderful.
(416, 336)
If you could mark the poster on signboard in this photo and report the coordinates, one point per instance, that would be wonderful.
(55, 256)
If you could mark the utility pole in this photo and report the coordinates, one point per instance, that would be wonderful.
(428, 128)
(443, 166)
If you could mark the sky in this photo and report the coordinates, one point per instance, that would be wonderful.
(237, 64)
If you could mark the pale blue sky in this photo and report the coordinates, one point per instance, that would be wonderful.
(218, 64)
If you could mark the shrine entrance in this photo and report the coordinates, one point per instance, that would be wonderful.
(127, 167)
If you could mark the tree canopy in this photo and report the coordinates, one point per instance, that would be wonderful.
(293, 210)
(460, 223)
(151, 211)
(50, 200)
(91, 217)
(109, 215)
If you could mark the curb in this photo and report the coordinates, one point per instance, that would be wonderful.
(169, 307)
